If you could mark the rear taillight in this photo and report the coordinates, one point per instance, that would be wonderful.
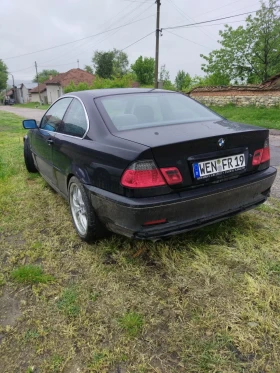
(172, 175)
(261, 155)
(145, 174)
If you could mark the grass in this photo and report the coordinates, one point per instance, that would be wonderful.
(33, 105)
(258, 116)
(30, 274)
(206, 301)
(131, 322)
(68, 302)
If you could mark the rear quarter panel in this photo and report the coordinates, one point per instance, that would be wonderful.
(97, 163)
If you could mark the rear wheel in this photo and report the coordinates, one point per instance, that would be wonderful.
(86, 222)
(28, 159)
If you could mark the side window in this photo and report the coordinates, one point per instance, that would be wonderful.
(52, 120)
(75, 121)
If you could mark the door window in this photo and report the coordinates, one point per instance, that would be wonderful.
(52, 121)
(75, 121)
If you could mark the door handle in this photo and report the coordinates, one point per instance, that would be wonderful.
(50, 141)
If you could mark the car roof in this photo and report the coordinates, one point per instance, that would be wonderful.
(113, 91)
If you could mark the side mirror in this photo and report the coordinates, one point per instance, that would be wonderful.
(29, 124)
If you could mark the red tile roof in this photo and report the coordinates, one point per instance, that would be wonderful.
(74, 75)
(42, 88)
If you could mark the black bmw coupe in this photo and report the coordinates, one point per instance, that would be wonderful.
(147, 163)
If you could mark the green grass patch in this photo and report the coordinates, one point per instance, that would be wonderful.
(68, 302)
(31, 334)
(206, 301)
(132, 323)
(31, 274)
(258, 116)
(33, 105)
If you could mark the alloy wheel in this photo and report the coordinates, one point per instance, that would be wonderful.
(78, 209)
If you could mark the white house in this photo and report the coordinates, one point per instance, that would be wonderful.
(35, 97)
(56, 84)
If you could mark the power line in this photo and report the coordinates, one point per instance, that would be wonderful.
(71, 42)
(144, 37)
(183, 14)
(26, 68)
(218, 24)
(110, 22)
(193, 42)
(213, 20)
(113, 33)
(63, 64)
(136, 1)
(102, 39)
(237, 10)
(220, 7)
(129, 13)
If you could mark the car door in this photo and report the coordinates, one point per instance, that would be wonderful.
(68, 150)
(43, 139)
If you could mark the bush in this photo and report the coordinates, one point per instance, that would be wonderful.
(99, 83)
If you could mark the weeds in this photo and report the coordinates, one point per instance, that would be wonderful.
(132, 323)
(31, 274)
(68, 302)
(206, 301)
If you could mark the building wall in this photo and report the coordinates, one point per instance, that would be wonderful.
(238, 98)
(23, 95)
(54, 91)
(35, 97)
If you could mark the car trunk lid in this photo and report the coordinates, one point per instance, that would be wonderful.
(184, 146)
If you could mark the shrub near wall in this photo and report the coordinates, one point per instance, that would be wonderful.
(125, 81)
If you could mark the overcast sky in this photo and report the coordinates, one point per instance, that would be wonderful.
(31, 25)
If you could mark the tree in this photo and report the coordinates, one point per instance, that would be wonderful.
(88, 69)
(111, 63)
(45, 75)
(103, 64)
(216, 79)
(3, 75)
(249, 53)
(164, 76)
(144, 70)
(182, 80)
(120, 63)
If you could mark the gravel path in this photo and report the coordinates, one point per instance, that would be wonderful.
(275, 191)
(24, 112)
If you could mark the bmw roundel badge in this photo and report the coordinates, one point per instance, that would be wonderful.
(221, 143)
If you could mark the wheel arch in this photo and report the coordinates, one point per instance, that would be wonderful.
(68, 179)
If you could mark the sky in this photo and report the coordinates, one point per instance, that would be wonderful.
(31, 25)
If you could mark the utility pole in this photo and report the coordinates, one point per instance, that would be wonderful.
(14, 88)
(38, 82)
(157, 43)
(78, 64)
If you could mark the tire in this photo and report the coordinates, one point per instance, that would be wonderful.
(84, 218)
(28, 159)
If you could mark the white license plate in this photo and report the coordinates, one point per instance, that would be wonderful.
(219, 166)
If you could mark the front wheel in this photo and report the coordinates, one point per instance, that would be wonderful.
(28, 158)
(86, 222)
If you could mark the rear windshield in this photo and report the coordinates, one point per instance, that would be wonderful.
(140, 110)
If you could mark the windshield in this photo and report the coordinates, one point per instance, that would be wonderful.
(140, 110)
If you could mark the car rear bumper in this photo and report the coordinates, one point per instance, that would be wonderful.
(183, 211)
